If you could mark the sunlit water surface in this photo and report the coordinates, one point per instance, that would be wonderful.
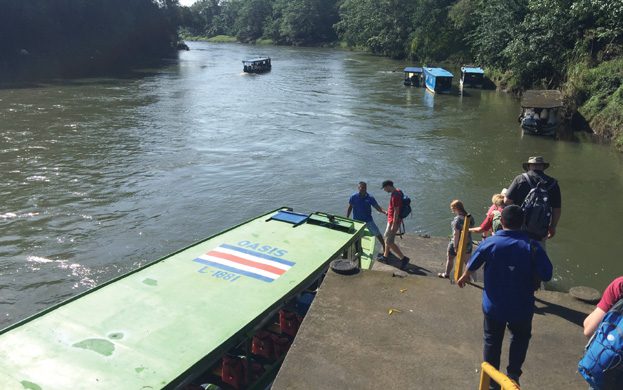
(100, 176)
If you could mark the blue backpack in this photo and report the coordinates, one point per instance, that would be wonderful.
(602, 363)
(405, 210)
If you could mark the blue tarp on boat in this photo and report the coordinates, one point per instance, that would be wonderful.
(475, 70)
(439, 72)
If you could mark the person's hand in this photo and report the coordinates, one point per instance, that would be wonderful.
(463, 280)
(551, 232)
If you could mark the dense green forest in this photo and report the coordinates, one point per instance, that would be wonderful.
(576, 45)
(76, 37)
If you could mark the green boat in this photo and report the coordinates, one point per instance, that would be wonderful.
(199, 316)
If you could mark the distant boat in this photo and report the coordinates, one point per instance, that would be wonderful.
(472, 76)
(438, 80)
(257, 65)
(540, 111)
(413, 76)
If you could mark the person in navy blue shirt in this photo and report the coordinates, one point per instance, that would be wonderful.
(512, 263)
(361, 203)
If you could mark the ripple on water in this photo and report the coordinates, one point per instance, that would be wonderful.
(36, 178)
(83, 274)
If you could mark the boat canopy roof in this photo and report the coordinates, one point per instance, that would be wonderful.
(547, 98)
(162, 323)
(439, 72)
(472, 69)
(412, 69)
(257, 59)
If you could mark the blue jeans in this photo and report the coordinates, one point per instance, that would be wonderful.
(520, 338)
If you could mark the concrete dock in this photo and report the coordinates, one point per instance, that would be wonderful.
(431, 340)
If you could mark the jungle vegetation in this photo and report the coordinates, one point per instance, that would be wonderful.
(79, 37)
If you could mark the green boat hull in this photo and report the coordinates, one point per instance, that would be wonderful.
(165, 323)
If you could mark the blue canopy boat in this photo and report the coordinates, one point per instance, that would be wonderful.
(438, 80)
(413, 76)
(257, 65)
(472, 76)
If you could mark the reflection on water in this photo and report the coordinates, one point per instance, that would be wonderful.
(102, 175)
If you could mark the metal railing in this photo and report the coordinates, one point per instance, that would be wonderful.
(489, 373)
(461, 256)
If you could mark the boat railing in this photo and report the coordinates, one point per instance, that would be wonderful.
(488, 373)
(462, 256)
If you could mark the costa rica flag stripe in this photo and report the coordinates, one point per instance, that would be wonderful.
(242, 261)
(245, 262)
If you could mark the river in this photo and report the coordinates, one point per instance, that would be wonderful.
(102, 175)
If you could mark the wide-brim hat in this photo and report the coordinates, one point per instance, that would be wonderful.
(535, 160)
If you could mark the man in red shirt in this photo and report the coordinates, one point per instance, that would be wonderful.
(613, 293)
(393, 224)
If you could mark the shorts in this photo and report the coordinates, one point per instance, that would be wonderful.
(452, 251)
(373, 228)
(390, 237)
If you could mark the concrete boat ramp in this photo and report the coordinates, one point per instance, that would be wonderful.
(384, 330)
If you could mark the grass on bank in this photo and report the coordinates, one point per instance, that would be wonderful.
(598, 92)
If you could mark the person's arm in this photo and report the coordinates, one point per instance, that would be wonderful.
(396, 221)
(511, 191)
(350, 208)
(544, 266)
(555, 218)
(456, 234)
(591, 322)
(397, 199)
(475, 262)
(485, 226)
(466, 277)
(380, 209)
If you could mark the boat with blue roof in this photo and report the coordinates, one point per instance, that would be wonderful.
(472, 76)
(413, 76)
(438, 80)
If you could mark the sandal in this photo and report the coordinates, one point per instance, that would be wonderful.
(442, 275)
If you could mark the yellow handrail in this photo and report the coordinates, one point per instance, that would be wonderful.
(489, 372)
(460, 251)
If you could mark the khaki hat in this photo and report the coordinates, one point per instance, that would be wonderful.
(535, 160)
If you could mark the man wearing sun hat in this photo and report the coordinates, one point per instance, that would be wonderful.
(522, 184)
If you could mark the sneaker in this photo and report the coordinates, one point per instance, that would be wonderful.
(379, 255)
(382, 259)
(404, 262)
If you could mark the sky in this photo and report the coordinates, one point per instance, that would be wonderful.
(187, 2)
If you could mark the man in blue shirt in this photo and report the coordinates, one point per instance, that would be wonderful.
(512, 263)
(361, 203)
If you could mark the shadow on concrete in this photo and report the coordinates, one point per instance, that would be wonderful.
(574, 316)
(412, 269)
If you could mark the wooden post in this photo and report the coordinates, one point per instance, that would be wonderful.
(461, 256)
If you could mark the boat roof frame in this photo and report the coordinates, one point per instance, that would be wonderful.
(542, 98)
(438, 72)
(472, 70)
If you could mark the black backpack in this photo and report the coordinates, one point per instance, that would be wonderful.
(537, 208)
(405, 210)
